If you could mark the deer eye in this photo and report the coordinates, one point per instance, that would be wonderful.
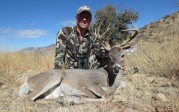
(122, 56)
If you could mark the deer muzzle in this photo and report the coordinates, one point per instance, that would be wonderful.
(116, 69)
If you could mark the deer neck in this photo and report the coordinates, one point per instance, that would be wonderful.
(117, 82)
(118, 79)
(111, 75)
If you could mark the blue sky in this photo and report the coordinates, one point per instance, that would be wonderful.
(34, 23)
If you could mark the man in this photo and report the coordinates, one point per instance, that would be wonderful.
(74, 45)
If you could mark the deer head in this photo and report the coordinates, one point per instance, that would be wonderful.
(115, 54)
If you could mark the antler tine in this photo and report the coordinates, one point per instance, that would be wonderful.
(92, 28)
(94, 32)
(104, 44)
(99, 27)
(98, 30)
(107, 29)
(132, 36)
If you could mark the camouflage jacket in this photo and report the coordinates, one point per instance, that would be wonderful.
(76, 53)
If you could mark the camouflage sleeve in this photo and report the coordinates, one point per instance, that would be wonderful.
(61, 40)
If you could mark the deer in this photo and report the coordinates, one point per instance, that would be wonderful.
(82, 85)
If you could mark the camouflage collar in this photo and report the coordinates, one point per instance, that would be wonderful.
(87, 32)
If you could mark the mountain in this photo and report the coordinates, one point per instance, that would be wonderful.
(156, 31)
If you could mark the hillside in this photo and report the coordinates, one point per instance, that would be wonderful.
(160, 30)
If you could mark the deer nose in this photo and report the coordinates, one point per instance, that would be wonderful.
(116, 69)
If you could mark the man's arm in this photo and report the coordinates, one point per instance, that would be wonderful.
(61, 40)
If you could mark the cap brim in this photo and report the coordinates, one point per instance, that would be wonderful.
(84, 11)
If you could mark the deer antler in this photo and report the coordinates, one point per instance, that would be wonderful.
(134, 33)
(101, 37)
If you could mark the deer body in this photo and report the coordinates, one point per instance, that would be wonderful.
(78, 82)
(74, 82)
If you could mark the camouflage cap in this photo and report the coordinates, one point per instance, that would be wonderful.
(84, 8)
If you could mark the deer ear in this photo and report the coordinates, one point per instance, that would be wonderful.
(130, 49)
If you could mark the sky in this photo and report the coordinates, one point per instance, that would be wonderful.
(35, 23)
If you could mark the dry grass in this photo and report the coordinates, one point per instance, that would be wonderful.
(160, 59)
(24, 61)
(158, 64)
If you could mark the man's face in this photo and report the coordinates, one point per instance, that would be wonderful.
(83, 20)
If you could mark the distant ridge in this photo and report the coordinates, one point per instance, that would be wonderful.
(50, 48)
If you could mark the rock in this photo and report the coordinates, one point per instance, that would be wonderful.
(1, 84)
(41, 107)
(162, 82)
(150, 79)
(115, 109)
(129, 110)
(162, 97)
(122, 85)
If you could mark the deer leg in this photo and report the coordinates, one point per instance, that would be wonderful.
(45, 89)
(97, 90)
(88, 93)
